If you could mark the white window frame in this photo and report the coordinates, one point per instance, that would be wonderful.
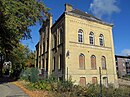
(101, 40)
(80, 36)
(91, 38)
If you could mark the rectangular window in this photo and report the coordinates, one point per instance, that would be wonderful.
(91, 40)
(60, 62)
(80, 38)
(43, 63)
(47, 65)
(39, 64)
(53, 67)
(82, 81)
(43, 47)
(101, 42)
(94, 80)
(105, 81)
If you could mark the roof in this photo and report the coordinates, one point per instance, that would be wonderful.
(119, 56)
(87, 16)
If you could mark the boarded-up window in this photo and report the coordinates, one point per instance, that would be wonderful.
(81, 61)
(94, 80)
(105, 81)
(103, 62)
(82, 81)
(93, 62)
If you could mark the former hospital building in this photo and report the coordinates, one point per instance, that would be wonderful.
(75, 46)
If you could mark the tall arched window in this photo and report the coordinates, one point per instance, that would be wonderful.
(81, 61)
(93, 62)
(80, 35)
(103, 62)
(91, 38)
(101, 40)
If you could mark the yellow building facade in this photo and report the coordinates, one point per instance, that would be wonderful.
(79, 44)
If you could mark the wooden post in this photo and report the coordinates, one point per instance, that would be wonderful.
(100, 81)
(67, 73)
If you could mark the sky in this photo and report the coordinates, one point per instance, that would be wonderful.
(116, 12)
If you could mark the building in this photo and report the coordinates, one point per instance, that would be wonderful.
(122, 65)
(75, 46)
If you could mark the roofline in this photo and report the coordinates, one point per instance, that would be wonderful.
(83, 17)
(63, 14)
(120, 56)
(36, 44)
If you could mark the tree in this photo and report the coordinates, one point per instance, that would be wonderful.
(15, 18)
(21, 57)
(30, 60)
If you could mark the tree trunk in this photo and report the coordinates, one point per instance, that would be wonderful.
(1, 65)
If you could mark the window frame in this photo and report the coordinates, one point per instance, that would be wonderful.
(93, 64)
(91, 38)
(101, 40)
(81, 64)
(94, 81)
(84, 81)
(103, 62)
(80, 36)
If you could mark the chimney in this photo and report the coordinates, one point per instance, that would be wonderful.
(68, 7)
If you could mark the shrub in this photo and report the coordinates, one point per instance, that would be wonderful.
(30, 74)
(68, 89)
(34, 75)
(25, 74)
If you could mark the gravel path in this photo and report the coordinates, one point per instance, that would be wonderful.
(11, 90)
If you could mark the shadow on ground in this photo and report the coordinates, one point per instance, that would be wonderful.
(6, 80)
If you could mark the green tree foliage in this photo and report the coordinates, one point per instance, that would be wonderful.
(21, 57)
(16, 16)
(30, 60)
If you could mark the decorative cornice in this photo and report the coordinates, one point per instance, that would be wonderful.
(89, 46)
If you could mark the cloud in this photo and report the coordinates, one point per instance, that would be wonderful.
(104, 7)
(125, 52)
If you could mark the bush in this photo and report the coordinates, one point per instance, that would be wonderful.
(68, 89)
(30, 74)
(34, 75)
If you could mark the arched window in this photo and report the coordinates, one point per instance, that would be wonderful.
(80, 35)
(103, 62)
(81, 61)
(91, 38)
(93, 62)
(101, 40)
